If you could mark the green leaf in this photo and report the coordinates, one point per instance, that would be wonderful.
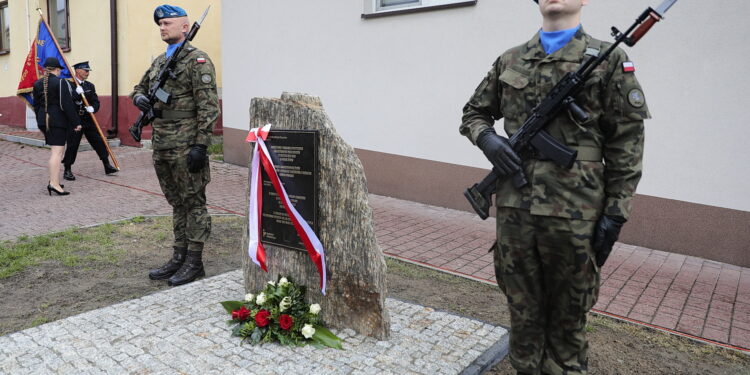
(256, 335)
(284, 340)
(324, 336)
(236, 330)
(317, 345)
(232, 305)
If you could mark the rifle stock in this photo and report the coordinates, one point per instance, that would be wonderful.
(137, 128)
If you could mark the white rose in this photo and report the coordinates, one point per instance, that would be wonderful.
(285, 303)
(249, 297)
(261, 298)
(272, 283)
(308, 331)
(314, 308)
(283, 281)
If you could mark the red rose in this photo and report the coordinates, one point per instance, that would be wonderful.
(285, 321)
(261, 318)
(242, 314)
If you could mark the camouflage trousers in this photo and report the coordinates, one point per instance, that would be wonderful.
(545, 266)
(186, 193)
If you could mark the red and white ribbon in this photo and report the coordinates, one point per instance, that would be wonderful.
(255, 248)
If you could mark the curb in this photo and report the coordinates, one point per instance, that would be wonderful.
(492, 356)
(40, 142)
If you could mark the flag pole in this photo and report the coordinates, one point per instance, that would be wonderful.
(85, 101)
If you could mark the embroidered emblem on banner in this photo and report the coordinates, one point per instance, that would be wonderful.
(628, 67)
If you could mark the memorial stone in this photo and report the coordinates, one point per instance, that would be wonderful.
(356, 290)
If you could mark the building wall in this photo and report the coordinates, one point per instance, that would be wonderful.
(394, 87)
(138, 44)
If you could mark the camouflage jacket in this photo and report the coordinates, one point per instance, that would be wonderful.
(614, 133)
(193, 92)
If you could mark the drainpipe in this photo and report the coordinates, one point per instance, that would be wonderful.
(112, 132)
(28, 24)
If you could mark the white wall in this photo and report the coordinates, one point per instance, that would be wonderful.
(398, 84)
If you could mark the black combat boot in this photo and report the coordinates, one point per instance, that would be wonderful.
(68, 174)
(168, 269)
(108, 168)
(190, 270)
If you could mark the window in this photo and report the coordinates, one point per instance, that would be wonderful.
(58, 22)
(396, 4)
(4, 28)
(378, 8)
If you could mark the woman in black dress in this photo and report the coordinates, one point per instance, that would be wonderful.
(56, 115)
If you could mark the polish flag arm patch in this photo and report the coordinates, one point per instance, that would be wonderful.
(628, 66)
(200, 60)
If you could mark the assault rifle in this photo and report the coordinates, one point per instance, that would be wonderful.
(561, 97)
(156, 91)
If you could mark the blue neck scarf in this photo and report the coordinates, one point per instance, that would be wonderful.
(171, 48)
(554, 40)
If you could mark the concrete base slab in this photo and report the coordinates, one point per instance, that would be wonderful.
(184, 330)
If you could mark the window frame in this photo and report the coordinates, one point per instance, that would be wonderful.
(373, 9)
(400, 4)
(64, 48)
(4, 50)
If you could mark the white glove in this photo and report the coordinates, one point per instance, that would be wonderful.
(79, 90)
(89, 109)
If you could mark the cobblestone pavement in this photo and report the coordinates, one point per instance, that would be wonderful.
(184, 330)
(693, 296)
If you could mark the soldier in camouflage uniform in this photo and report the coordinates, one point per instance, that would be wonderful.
(555, 233)
(181, 135)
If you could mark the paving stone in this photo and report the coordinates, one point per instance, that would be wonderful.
(129, 347)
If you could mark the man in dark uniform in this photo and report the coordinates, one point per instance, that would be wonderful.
(82, 70)
(181, 135)
(554, 233)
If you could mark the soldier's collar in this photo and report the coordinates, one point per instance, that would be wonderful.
(185, 51)
(571, 52)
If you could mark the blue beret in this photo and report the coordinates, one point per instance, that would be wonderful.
(168, 11)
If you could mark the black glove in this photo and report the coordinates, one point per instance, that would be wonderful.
(142, 103)
(498, 151)
(196, 158)
(605, 234)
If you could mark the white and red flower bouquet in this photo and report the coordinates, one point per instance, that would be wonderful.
(279, 314)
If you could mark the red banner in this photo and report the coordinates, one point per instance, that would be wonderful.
(30, 73)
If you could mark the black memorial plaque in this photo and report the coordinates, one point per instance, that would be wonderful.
(295, 156)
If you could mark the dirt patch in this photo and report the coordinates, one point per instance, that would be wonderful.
(52, 289)
(81, 279)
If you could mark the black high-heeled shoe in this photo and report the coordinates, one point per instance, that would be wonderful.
(61, 185)
(50, 189)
